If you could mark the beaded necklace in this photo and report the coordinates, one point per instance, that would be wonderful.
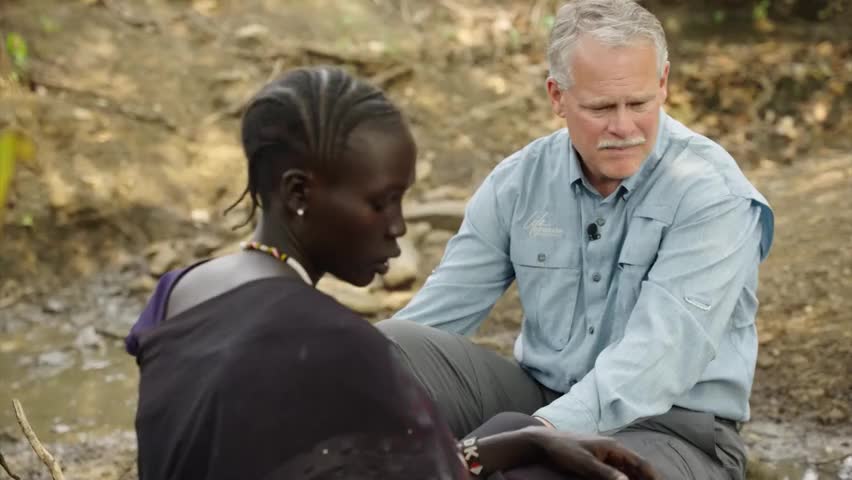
(295, 265)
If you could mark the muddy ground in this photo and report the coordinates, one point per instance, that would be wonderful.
(134, 108)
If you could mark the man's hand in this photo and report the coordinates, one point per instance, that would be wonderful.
(591, 456)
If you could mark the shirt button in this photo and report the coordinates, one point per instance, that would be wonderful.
(591, 330)
(601, 222)
(542, 257)
(596, 277)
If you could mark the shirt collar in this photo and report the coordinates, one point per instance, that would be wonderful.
(660, 145)
(575, 171)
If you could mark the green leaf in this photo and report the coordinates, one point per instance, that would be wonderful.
(27, 220)
(17, 48)
(48, 24)
(761, 10)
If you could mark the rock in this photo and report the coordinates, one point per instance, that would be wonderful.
(446, 192)
(204, 244)
(445, 214)
(424, 169)
(358, 299)
(54, 305)
(144, 284)
(251, 34)
(437, 238)
(95, 364)
(200, 216)
(403, 269)
(836, 416)
(61, 428)
(163, 257)
(417, 230)
(88, 338)
(845, 472)
(764, 361)
(56, 358)
(396, 300)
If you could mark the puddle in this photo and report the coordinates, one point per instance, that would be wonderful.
(66, 391)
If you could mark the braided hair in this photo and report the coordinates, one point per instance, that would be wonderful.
(304, 119)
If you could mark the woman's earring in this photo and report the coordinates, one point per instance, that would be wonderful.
(300, 212)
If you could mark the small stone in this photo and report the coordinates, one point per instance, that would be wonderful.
(437, 238)
(446, 192)
(394, 301)
(88, 338)
(764, 361)
(752, 438)
(82, 114)
(54, 305)
(163, 257)
(95, 364)
(200, 216)
(55, 358)
(799, 359)
(836, 416)
(252, 33)
(144, 284)
(417, 230)
(445, 215)
(61, 428)
(204, 244)
(403, 269)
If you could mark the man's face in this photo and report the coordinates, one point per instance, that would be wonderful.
(612, 108)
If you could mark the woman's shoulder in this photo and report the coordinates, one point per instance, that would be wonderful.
(296, 304)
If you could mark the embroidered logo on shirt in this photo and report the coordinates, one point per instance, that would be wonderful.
(539, 226)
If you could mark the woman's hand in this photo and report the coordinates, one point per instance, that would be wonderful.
(591, 456)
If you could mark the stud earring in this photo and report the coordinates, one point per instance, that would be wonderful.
(300, 212)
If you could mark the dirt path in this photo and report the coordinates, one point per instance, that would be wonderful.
(135, 115)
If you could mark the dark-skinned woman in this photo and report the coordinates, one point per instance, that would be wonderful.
(248, 372)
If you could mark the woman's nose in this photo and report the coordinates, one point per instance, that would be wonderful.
(397, 226)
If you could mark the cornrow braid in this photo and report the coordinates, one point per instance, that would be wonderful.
(304, 119)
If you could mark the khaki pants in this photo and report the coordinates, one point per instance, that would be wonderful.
(471, 384)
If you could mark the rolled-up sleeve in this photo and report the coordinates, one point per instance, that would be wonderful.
(473, 273)
(684, 307)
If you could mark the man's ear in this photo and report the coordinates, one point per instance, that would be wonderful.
(294, 190)
(664, 82)
(554, 92)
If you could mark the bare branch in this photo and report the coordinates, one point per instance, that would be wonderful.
(6, 468)
(45, 456)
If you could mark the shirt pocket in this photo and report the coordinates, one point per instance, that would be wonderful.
(645, 232)
(548, 276)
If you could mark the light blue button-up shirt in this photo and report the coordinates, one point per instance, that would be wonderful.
(657, 311)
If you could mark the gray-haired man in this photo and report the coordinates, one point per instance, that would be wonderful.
(635, 243)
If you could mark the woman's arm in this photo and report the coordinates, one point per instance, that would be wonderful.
(592, 457)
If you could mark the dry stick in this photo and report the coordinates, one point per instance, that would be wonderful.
(6, 468)
(384, 78)
(128, 17)
(45, 456)
(110, 105)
